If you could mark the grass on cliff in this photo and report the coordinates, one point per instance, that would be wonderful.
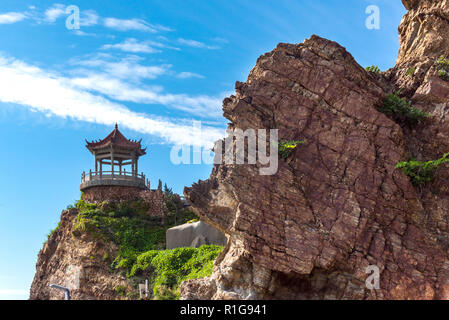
(421, 172)
(141, 241)
(166, 269)
(127, 224)
(374, 69)
(401, 110)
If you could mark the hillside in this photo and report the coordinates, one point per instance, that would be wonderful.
(104, 250)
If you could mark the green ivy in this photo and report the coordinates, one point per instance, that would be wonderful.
(287, 147)
(401, 110)
(421, 172)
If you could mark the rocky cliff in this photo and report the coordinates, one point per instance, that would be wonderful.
(337, 204)
(104, 250)
(80, 263)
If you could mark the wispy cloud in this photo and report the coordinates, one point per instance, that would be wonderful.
(196, 44)
(128, 67)
(202, 105)
(54, 12)
(133, 24)
(88, 18)
(186, 75)
(112, 77)
(55, 95)
(132, 45)
(11, 17)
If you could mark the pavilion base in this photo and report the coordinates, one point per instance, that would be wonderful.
(111, 193)
(154, 198)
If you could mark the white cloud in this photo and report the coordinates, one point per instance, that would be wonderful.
(186, 75)
(112, 78)
(132, 45)
(125, 68)
(54, 12)
(11, 17)
(55, 95)
(133, 24)
(196, 44)
(201, 105)
(88, 18)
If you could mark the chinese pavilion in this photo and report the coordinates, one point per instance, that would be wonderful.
(115, 153)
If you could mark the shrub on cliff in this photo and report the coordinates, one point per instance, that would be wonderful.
(421, 172)
(374, 69)
(442, 65)
(287, 147)
(401, 110)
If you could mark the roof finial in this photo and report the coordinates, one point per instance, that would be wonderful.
(116, 126)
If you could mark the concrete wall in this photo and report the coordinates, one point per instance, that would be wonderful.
(194, 235)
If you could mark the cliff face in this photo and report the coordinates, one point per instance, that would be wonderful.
(80, 263)
(337, 205)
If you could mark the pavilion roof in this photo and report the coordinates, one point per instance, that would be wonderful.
(116, 139)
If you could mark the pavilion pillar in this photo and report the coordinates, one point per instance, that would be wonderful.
(133, 168)
(137, 170)
(112, 161)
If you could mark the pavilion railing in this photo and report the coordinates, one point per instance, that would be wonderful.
(113, 175)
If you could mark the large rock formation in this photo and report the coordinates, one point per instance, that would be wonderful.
(337, 205)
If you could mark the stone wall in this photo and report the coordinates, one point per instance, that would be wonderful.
(111, 193)
(155, 198)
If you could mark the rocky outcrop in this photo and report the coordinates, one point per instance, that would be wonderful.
(80, 263)
(194, 234)
(337, 205)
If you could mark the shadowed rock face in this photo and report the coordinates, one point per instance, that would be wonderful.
(336, 205)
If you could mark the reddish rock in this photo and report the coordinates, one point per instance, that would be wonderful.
(336, 205)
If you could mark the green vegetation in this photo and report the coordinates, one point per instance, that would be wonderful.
(168, 268)
(374, 69)
(401, 110)
(287, 147)
(121, 290)
(421, 172)
(125, 224)
(411, 71)
(177, 214)
(141, 241)
(442, 65)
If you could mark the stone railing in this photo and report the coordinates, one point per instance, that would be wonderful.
(113, 178)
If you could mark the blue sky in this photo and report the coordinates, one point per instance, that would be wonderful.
(153, 67)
